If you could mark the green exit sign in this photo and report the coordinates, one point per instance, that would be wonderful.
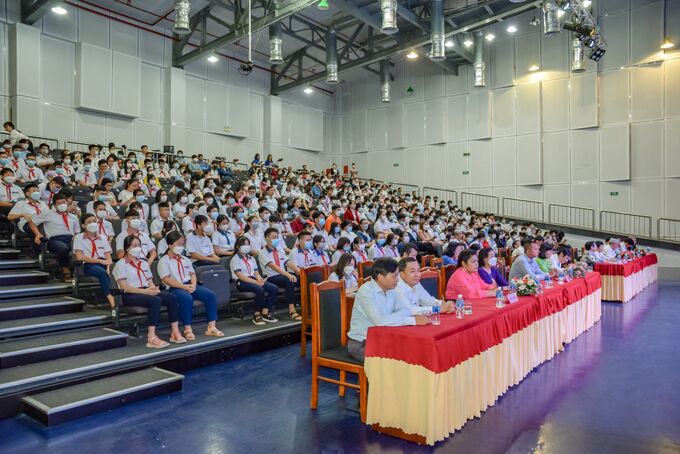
(614, 193)
(466, 154)
(466, 172)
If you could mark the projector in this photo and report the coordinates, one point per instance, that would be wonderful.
(246, 68)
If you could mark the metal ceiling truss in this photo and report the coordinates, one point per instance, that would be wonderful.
(33, 10)
(407, 38)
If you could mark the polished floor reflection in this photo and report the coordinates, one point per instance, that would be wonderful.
(616, 389)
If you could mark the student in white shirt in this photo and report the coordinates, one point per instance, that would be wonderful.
(104, 226)
(252, 231)
(245, 271)
(346, 269)
(94, 250)
(411, 291)
(85, 175)
(177, 272)
(391, 249)
(348, 230)
(273, 263)
(10, 193)
(223, 239)
(14, 134)
(25, 209)
(168, 226)
(134, 277)
(188, 221)
(134, 228)
(237, 223)
(30, 172)
(198, 244)
(378, 249)
(344, 247)
(359, 250)
(321, 250)
(163, 214)
(302, 256)
(160, 197)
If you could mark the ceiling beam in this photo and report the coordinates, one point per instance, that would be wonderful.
(31, 12)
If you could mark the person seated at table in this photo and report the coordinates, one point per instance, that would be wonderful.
(346, 269)
(488, 269)
(591, 256)
(451, 253)
(465, 280)
(410, 290)
(525, 264)
(612, 248)
(377, 304)
(544, 259)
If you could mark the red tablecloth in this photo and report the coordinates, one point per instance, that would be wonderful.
(439, 348)
(622, 281)
(626, 269)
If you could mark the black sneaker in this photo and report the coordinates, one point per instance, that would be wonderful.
(269, 317)
(257, 319)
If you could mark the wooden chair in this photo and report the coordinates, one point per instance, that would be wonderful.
(426, 260)
(430, 280)
(308, 276)
(329, 343)
(365, 269)
(446, 272)
(436, 263)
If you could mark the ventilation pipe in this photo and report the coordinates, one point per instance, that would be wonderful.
(331, 56)
(389, 17)
(182, 8)
(385, 81)
(578, 60)
(275, 44)
(551, 21)
(479, 65)
(438, 51)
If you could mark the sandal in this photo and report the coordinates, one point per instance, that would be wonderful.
(214, 332)
(189, 335)
(178, 340)
(156, 342)
(295, 316)
(67, 277)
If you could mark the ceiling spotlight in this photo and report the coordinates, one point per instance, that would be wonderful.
(412, 55)
(511, 29)
(490, 36)
(308, 90)
(667, 44)
(467, 43)
(587, 3)
(449, 43)
(596, 54)
(534, 68)
(213, 58)
(534, 21)
(59, 10)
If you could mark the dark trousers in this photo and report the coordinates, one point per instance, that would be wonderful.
(27, 230)
(186, 303)
(205, 263)
(283, 282)
(60, 246)
(153, 304)
(268, 289)
(356, 349)
(99, 271)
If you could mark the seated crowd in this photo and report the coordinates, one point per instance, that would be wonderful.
(270, 222)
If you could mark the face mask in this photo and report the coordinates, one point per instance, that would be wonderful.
(35, 196)
(16, 154)
(308, 244)
(102, 197)
(265, 216)
(4, 161)
(336, 230)
(348, 270)
(244, 249)
(179, 250)
(346, 248)
(61, 207)
(276, 242)
(208, 201)
(30, 163)
(175, 166)
(101, 214)
(208, 228)
(60, 171)
(67, 161)
(362, 247)
(349, 229)
(214, 215)
(493, 261)
(136, 252)
(224, 227)
(381, 241)
(9, 179)
(230, 201)
(395, 242)
(92, 227)
(183, 199)
(135, 223)
(140, 198)
(240, 215)
(87, 167)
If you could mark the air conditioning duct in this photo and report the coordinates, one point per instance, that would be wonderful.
(438, 51)
(551, 20)
(385, 81)
(182, 8)
(389, 17)
(578, 60)
(479, 66)
(275, 44)
(331, 56)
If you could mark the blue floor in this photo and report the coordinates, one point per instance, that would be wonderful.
(616, 389)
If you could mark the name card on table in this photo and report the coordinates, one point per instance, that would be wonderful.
(512, 298)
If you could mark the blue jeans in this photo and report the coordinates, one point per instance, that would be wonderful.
(153, 304)
(283, 282)
(270, 289)
(99, 271)
(186, 303)
(60, 246)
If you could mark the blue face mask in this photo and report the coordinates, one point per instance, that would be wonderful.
(214, 214)
(239, 215)
(308, 244)
(102, 198)
(140, 198)
(4, 161)
(276, 242)
(60, 171)
(336, 230)
(346, 248)
(349, 229)
(87, 167)
(381, 241)
(322, 222)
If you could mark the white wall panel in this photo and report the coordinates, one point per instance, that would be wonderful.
(4, 59)
(120, 131)
(151, 93)
(480, 163)
(586, 195)
(529, 160)
(198, 68)
(216, 115)
(672, 88)
(413, 77)
(457, 118)
(647, 150)
(555, 55)
(215, 145)
(377, 129)
(479, 115)
(93, 29)
(90, 127)
(435, 121)
(298, 126)
(504, 161)
(583, 101)
(435, 155)
(506, 191)
(358, 131)
(672, 165)
(61, 26)
(94, 77)
(556, 157)
(614, 96)
(57, 71)
(239, 111)
(394, 166)
(556, 193)
(415, 168)
(395, 125)
(124, 38)
(528, 108)
(504, 112)
(530, 192)
(58, 122)
(672, 206)
(195, 102)
(457, 165)
(615, 152)
(615, 196)
(435, 82)
(195, 142)
(555, 102)
(151, 48)
(647, 31)
(647, 198)
(415, 124)
(127, 81)
(315, 130)
(612, 6)
(615, 28)
(527, 53)
(24, 60)
(584, 155)
(647, 93)
(147, 133)
(457, 85)
(256, 131)
(375, 163)
(503, 62)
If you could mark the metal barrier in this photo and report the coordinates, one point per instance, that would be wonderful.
(53, 143)
(479, 202)
(570, 216)
(442, 194)
(405, 188)
(529, 210)
(668, 229)
(626, 223)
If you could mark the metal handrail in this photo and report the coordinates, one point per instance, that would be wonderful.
(626, 223)
(442, 194)
(663, 229)
(571, 216)
(479, 202)
(405, 187)
(53, 143)
(529, 210)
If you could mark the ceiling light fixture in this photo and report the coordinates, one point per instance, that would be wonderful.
(490, 36)
(560, 12)
(213, 58)
(412, 55)
(467, 43)
(308, 90)
(587, 3)
(534, 68)
(449, 43)
(511, 29)
(667, 44)
(59, 10)
(534, 21)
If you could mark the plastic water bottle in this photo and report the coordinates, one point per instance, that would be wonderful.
(460, 306)
(512, 287)
(560, 277)
(548, 282)
(500, 299)
(435, 314)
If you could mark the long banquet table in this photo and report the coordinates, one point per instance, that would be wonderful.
(622, 281)
(425, 382)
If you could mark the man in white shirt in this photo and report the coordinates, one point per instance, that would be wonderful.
(85, 175)
(14, 134)
(198, 244)
(376, 304)
(134, 227)
(612, 248)
(10, 193)
(302, 256)
(30, 172)
(273, 264)
(411, 291)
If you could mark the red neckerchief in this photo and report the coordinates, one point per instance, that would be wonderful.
(276, 257)
(180, 267)
(36, 206)
(94, 247)
(8, 188)
(64, 217)
(142, 282)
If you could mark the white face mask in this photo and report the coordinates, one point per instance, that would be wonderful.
(245, 249)
(164, 198)
(92, 227)
(348, 270)
(136, 223)
(101, 214)
(183, 199)
(493, 261)
(136, 252)
(208, 228)
(61, 207)
(9, 179)
(179, 250)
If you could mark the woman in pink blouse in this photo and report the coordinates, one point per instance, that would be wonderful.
(466, 281)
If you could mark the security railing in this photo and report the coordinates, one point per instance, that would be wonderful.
(479, 202)
(668, 229)
(442, 194)
(529, 210)
(53, 143)
(626, 223)
(570, 216)
(405, 188)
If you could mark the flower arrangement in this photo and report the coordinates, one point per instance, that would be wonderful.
(579, 269)
(526, 285)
